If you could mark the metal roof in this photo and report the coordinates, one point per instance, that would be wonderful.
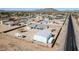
(44, 33)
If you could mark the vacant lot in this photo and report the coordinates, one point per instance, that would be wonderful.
(8, 43)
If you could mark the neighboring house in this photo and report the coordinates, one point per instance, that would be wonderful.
(1, 22)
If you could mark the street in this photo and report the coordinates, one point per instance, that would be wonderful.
(70, 43)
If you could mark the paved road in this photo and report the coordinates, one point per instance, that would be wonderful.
(70, 43)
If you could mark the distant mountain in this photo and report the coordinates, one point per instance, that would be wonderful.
(2, 10)
(28, 10)
(68, 9)
(16, 9)
(39, 9)
(72, 10)
(46, 10)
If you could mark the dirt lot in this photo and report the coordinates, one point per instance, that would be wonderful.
(8, 43)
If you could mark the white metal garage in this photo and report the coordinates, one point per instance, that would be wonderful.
(43, 36)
